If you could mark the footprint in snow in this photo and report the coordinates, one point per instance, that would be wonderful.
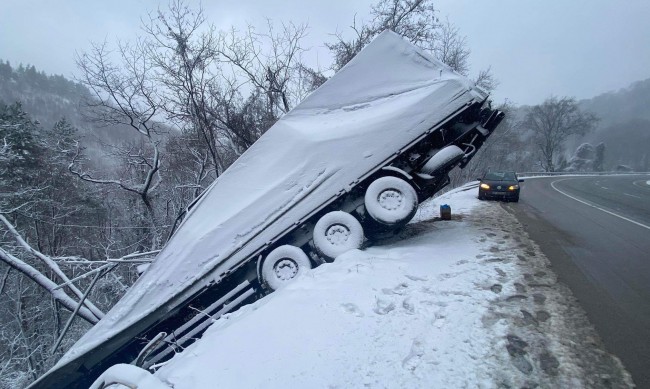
(352, 309)
(496, 288)
(517, 349)
(526, 319)
(383, 307)
(439, 320)
(539, 298)
(416, 278)
(542, 316)
(400, 289)
(408, 306)
(412, 360)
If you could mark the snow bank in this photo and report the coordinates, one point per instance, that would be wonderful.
(407, 314)
(469, 302)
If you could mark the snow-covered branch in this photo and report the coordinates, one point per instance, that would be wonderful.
(47, 284)
(51, 264)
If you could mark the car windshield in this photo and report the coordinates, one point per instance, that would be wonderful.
(500, 176)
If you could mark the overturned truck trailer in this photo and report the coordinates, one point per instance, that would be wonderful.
(351, 162)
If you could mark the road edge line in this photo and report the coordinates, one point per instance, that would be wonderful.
(597, 207)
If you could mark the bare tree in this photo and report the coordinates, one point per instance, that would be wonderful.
(270, 62)
(450, 47)
(125, 95)
(183, 49)
(552, 123)
(418, 22)
(345, 49)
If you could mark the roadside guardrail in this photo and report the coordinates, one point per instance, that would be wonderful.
(542, 174)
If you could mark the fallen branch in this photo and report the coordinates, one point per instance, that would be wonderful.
(47, 284)
(50, 264)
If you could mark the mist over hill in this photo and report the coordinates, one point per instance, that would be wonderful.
(48, 98)
(624, 125)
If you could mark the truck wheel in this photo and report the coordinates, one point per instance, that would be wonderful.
(337, 232)
(391, 201)
(283, 265)
(447, 156)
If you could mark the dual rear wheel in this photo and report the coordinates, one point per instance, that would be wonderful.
(389, 201)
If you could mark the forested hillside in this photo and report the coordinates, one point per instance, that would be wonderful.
(618, 139)
(47, 97)
(624, 127)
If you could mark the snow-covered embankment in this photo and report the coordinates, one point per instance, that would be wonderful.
(469, 302)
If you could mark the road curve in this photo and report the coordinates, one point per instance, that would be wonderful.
(596, 233)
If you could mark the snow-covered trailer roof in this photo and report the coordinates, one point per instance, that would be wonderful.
(389, 95)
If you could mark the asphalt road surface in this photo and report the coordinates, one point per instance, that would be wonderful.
(596, 233)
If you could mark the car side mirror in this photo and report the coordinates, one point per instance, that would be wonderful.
(521, 180)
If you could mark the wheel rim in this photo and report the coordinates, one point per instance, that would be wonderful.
(390, 199)
(285, 269)
(337, 234)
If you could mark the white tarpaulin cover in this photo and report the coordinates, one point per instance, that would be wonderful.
(387, 96)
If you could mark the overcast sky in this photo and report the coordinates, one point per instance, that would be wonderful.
(536, 48)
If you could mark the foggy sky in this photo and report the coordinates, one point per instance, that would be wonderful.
(536, 48)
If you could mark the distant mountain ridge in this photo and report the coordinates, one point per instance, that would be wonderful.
(624, 126)
(48, 98)
(622, 105)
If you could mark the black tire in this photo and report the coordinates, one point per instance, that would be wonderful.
(283, 265)
(391, 201)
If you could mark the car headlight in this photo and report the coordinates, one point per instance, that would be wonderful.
(485, 186)
(513, 187)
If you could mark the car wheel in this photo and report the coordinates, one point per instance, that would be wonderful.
(391, 201)
(283, 265)
(337, 232)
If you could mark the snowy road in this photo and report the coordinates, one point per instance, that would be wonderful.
(469, 302)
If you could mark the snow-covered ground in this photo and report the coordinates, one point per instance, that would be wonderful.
(469, 302)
